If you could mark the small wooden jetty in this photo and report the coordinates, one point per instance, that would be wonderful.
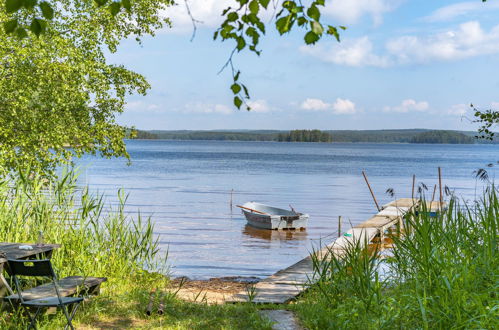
(288, 283)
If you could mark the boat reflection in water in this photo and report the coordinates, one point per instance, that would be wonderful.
(283, 235)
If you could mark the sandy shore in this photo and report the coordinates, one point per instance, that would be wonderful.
(211, 291)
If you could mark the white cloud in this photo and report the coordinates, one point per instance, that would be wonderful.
(408, 106)
(200, 107)
(207, 13)
(351, 11)
(466, 41)
(339, 107)
(356, 52)
(315, 105)
(344, 107)
(460, 9)
(259, 106)
(141, 106)
(458, 109)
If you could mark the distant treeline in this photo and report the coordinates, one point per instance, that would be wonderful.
(371, 136)
(303, 135)
(442, 137)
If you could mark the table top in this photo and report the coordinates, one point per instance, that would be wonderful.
(13, 252)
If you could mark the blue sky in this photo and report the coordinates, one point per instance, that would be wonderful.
(401, 64)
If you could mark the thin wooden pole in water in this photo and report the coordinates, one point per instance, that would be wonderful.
(372, 194)
(231, 193)
(440, 184)
(413, 184)
(339, 226)
(433, 196)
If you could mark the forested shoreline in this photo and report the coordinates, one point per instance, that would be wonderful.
(348, 136)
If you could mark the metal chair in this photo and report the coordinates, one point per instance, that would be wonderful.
(42, 268)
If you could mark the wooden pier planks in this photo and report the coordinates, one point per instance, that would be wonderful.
(286, 284)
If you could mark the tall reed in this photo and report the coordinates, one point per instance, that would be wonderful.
(443, 274)
(96, 240)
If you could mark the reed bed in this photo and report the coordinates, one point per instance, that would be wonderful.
(441, 274)
(104, 241)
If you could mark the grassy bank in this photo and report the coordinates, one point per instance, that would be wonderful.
(442, 275)
(98, 240)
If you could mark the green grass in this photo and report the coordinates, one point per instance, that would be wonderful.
(102, 241)
(443, 275)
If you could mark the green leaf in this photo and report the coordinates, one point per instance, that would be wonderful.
(21, 33)
(10, 26)
(246, 91)
(238, 102)
(47, 10)
(28, 4)
(311, 38)
(264, 3)
(236, 88)
(100, 3)
(254, 7)
(236, 77)
(233, 16)
(241, 43)
(114, 8)
(317, 28)
(282, 24)
(127, 4)
(314, 13)
(37, 26)
(333, 31)
(12, 6)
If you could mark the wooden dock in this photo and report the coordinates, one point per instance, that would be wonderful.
(287, 284)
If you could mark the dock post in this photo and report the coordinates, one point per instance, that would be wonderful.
(372, 194)
(440, 184)
(231, 193)
(413, 184)
(339, 226)
(433, 195)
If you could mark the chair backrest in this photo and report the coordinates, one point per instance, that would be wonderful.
(31, 268)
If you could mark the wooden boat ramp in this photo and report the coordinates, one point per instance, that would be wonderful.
(287, 284)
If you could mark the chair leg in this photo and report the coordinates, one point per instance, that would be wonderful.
(33, 318)
(69, 317)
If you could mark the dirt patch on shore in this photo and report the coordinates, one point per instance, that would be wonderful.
(212, 291)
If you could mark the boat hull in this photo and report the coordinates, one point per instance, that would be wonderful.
(286, 220)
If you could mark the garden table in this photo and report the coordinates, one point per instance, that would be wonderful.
(12, 251)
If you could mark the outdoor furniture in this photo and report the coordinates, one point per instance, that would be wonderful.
(66, 287)
(42, 268)
(12, 251)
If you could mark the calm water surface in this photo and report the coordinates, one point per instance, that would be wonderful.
(185, 187)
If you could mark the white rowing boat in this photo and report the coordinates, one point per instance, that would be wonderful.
(269, 217)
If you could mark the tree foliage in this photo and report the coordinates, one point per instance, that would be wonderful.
(487, 120)
(243, 24)
(304, 135)
(439, 136)
(59, 96)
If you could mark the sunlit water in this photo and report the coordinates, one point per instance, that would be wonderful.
(185, 186)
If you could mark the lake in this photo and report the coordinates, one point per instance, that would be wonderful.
(185, 187)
